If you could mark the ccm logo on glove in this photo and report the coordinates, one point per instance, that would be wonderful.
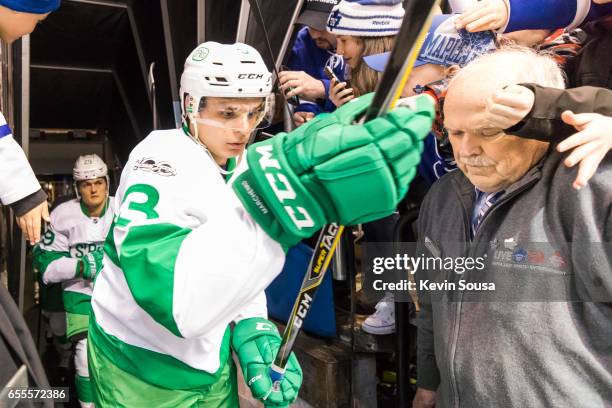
(263, 326)
(275, 178)
(252, 380)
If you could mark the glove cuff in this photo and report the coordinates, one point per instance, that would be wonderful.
(245, 187)
(90, 266)
(248, 329)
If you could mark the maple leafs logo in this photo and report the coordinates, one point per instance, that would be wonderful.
(334, 19)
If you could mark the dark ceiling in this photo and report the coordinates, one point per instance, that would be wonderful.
(87, 71)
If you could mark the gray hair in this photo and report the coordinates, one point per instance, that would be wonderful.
(519, 64)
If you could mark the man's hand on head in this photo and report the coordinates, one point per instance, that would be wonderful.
(507, 107)
(588, 146)
(484, 15)
(302, 85)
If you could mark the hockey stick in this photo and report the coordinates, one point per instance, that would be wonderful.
(408, 42)
(151, 88)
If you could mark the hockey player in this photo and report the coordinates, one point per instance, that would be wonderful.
(21, 190)
(71, 252)
(202, 226)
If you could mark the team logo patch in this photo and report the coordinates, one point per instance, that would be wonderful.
(334, 19)
(519, 255)
(161, 168)
(335, 61)
(200, 54)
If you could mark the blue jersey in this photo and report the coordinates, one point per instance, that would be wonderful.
(553, 14)
(306, 56)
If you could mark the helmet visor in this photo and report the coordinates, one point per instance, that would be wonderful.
(235, 114)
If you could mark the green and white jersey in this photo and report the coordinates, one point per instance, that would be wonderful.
(183, 260)
(71, 235)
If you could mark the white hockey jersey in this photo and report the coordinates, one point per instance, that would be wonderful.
(183, 260)
(71, 235)
(17, 180)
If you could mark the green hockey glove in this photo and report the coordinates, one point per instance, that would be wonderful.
(90, 265)
(331, 170)
(256, 341)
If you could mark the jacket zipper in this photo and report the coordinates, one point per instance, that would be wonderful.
(458, 303)
(453, 348)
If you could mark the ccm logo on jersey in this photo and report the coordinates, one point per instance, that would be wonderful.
(282, 188)
(250, 76)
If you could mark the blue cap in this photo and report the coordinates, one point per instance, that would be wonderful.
(31, 6)
(444, 45)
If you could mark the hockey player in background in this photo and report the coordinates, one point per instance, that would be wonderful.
(202, 228)
(71, 252)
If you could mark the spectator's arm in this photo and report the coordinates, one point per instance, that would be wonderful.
(328, 105)
(21, 207)
(308, 107)
(544, 121)
(515, 15)
(546, 14)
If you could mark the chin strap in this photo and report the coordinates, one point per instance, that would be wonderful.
(197, 140)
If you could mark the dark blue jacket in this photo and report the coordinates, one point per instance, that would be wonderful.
(306, 56)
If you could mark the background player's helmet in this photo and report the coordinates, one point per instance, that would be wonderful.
(224, 71)
(89, 167)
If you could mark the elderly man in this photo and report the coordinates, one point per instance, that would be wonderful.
(542, 337)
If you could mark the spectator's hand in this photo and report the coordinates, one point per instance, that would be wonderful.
(302, 117)
(590, 145)
(424, 399)
(508, 106)
(484, 15)
(339, 94)
(303, 85)
(30, 222)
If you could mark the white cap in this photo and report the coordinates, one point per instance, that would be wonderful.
(366, 18)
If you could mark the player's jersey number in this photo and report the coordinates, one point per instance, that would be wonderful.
(134, 196)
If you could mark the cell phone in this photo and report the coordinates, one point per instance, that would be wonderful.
(330, 74)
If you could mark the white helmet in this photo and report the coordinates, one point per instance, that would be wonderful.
(225, 71)
(89, 167)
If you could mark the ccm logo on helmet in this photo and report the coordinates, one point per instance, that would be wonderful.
(250, 76)
(281, 187)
